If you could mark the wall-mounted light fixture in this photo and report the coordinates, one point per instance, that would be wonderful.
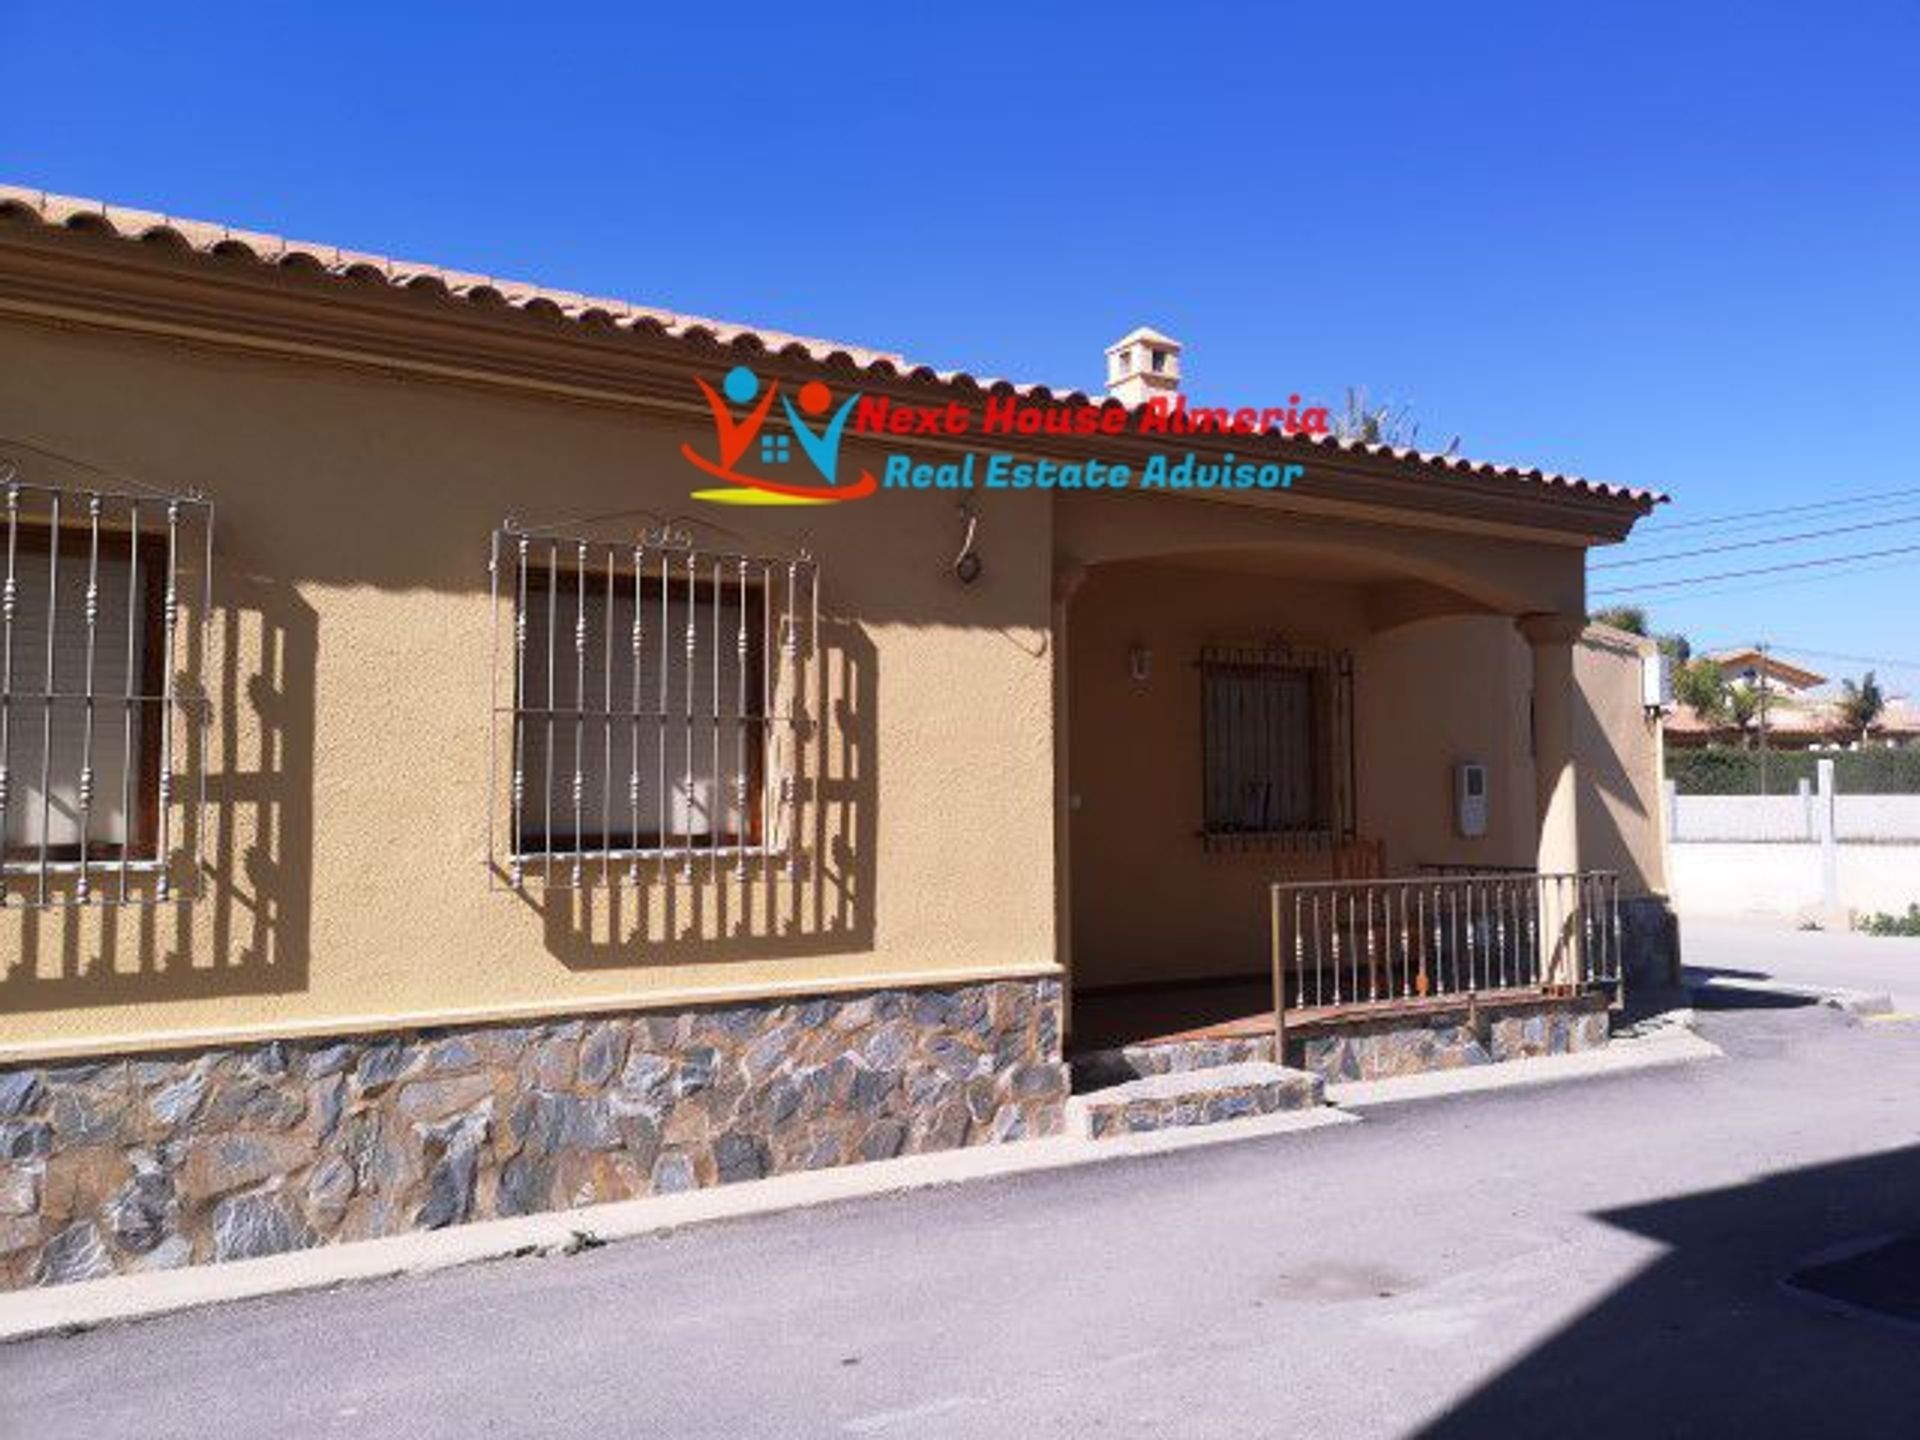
(966, 565)
(1140, 664)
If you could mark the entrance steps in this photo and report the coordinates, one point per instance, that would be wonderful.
(1174, 1083)
(1194, 1097)
(1169, 1057)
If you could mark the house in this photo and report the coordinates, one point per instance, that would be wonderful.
(468, 749)
(1802, 710)
(1749, 664)
(1798, 723)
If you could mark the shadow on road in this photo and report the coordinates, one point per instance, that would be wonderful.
(1710, 1340)
(1697, 991)
(1748, 996)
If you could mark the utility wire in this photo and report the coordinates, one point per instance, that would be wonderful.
(1831, 654)
(1770, 586)
(1760, 570)
(1839, 509)
(1833, 503)
(1757, 544)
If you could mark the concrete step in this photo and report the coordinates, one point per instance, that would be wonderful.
(1194, 1097)
(1167, 1057)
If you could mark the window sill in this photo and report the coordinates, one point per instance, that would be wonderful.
(103, 866)
(1226, 842)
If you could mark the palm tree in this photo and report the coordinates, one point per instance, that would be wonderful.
(1860, 705)
(1742, 709)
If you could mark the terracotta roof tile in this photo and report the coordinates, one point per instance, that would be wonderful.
(147, 227)
(1805, 719)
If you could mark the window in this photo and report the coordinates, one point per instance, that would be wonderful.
(1159, 361)
(1276, 729)
(94, 720)
(651, 725)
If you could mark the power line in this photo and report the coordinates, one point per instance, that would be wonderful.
(1833, 503)
(1740, 527)
(1770, 586)
(1760, 570)
(1757, 544)
(1833, 655)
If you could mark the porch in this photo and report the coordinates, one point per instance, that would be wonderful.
(1317, 806)
(1381, 978)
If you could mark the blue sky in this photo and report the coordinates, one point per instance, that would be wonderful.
(1666, 245)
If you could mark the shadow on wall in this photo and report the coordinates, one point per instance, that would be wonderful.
(1711, 1339)
(816, 900)
(249, 934)
(1610, 794)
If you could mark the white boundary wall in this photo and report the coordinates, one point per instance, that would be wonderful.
(1813, 853)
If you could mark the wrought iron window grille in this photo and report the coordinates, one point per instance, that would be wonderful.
(647, 720)
(1276, 747)
(105, 600)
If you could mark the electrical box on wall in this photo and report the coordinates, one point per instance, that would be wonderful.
(1656, 681)
(1470, 798)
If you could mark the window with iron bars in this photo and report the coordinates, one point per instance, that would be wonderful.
(646, 708)
(1277, 741)
(103, 719)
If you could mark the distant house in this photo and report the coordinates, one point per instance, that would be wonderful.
(1797, 718)
(1750, 664)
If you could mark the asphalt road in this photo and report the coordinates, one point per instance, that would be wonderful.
(1596, 1259)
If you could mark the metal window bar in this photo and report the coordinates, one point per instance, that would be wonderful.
(1277, 748)
(92, 640)
(1355, 945)
(684, 669)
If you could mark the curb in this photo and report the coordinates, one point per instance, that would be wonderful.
(68, 1309)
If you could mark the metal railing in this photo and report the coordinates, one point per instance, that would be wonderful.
(1344, 945)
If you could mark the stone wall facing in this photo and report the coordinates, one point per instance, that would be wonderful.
(1649, 943)
(157, 1161)
(1452, 1038)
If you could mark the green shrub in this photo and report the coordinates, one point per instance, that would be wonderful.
(1722, 770)
(1907, 924)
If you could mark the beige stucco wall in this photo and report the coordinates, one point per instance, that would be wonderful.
(1618, 753)
(351, 647)
(351, 652)
(1435, 693)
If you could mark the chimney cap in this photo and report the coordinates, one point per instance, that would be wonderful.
(1147, 335)
(1142, 365)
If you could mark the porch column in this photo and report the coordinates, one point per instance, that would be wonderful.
(1557, 851)
(1552, 638)
(1066, 582)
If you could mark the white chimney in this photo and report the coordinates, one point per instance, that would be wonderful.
(1142, 364)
